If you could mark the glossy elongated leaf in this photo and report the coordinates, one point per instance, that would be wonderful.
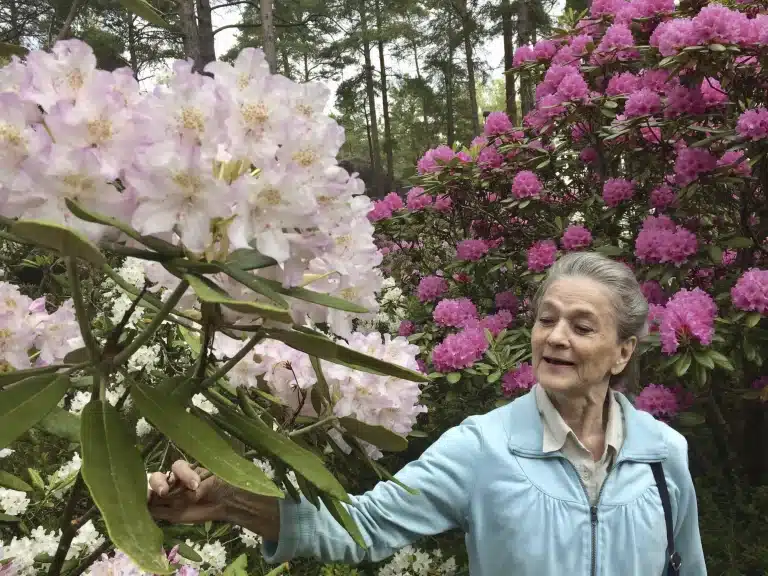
(609, 250)
(13, 482)
(77, 356)
(7, 50)
(721, 360)
(209, 293)
(238, 567)
(322, 383)
(11, 377)
(739, 242)
(61, 423)
(199, 440)
(682, 365)
(262, 438)
(316, 297)
(60, 239)
(704, 359)
(328, 350)
(27, 402)
(376, 435)
(339, 512)
(145, 10)
(113, 470)
(253, 282)
(246, 259)
(7, 518)
(186, 551)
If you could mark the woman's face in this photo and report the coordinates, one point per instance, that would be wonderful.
(575, 341)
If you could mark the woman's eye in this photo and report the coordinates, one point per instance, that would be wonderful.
(583, 329)
(545, 320)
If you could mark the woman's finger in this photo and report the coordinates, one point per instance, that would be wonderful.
(185, 474)
(158, 483)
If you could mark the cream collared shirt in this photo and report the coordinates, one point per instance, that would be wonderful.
(559, 436)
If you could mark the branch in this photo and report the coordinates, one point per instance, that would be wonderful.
(304, 22)
(80, 312)
(68, 531)
(228, 4)
(64, 32)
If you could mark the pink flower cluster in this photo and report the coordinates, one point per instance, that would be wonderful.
(417, 198)
(751, 291)
(434, 160)
(541, 255)
(662, 197)
(454, 312)
(406, 328)
(644, 102)
(691, 163)
(576, 238)
(506, 301)
(736, 161)
(460, 350)
(660, 240)
(753, 123)
(471, 250)
(521, 378)
(688, 314)
(617, 44)
(495, 323)
(443, 204)
(653, 292)
(431, 288)
(617, 190)
(526, 184)
(497, 123)
(658, 400)
(385, 208)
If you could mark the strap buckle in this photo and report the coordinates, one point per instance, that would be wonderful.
(675, 561)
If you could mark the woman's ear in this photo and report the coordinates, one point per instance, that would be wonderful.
(626, 349)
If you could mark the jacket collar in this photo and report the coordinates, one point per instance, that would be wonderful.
(643, 439)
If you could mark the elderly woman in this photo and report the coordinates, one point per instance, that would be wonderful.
(569, 479)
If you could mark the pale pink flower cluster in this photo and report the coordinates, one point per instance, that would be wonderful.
(29, 334)
(431, 288)
(691, 163)
(417, 199)
(751, 291)
(617, 190)
(542, 255)
(658, 400)
(460, 350)
(434, 159)
(471, 250)
(497, 123)
(454, 312)
(576, 238)
(753, 123)
(371, 398)
(526, 184)
(662, 197)
(244, 155)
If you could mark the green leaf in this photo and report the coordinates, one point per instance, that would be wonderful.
(717, 48)
(186, 551)
(145, 10)
(453, 377)
(339, 512)
(524, 204)
(36, 479)
(704, 359)
(753, 319)
(7, 518)
(682, 365)
(61, 423)
(27, 402)
(739, 242)
(384, 473)
(690, 419)
(322, 383)
(376, 435)
(77, 356)
(721, 360)
(114, 473)
(262, 438)
(200, 441)
(328, 350)
(17, 375)
(210, 293)
(7, 50)
(493, 377)
(192, 340)
(609, 250)
(316, 297)
(610, 104)
(247, 259)
(58, 238)
(13, 482)
(716, 254)
(253, 282)
(238, 567)
(559, 223)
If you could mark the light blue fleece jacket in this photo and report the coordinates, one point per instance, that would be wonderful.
(524, 512)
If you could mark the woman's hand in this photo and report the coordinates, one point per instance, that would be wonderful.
(190, 496)
(183, 497)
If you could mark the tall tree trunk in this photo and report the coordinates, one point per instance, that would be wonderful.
(189, 29)
(524, 35)
(467, 27)
(418, 75)
(306, 65)
(268, 35)
(205, 33)
(376, 164)
(286, 63)
(509, 49)
(384, 101)
(449, 86)
(16, 32)
(368, 134)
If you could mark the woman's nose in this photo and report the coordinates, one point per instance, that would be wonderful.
(558, 336)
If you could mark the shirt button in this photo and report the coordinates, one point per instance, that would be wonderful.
(586, 472)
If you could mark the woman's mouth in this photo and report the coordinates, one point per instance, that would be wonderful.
(557, 361)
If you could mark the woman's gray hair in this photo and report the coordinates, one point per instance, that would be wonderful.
(629, 303)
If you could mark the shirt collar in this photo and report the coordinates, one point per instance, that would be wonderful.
(556, 430)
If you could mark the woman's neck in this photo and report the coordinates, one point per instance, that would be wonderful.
(586, 415)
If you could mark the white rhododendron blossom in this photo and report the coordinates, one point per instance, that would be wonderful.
(143, 427)
(410, 561)
(25, 325)
(5, 452)
(13, 502)
(248, 538)
(390, 310)
(371, 398)
(145, 358)
(244, 159)
(213, 555)
(200, 401)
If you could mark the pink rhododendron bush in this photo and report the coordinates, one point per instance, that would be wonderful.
(202, 260)
(647, 142)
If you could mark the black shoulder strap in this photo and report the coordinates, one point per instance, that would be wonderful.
(661, 483)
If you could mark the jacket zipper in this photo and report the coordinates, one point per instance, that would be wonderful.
(593, 513)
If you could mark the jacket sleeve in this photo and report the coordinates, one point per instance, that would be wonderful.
(687, 536)
(388, 516)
